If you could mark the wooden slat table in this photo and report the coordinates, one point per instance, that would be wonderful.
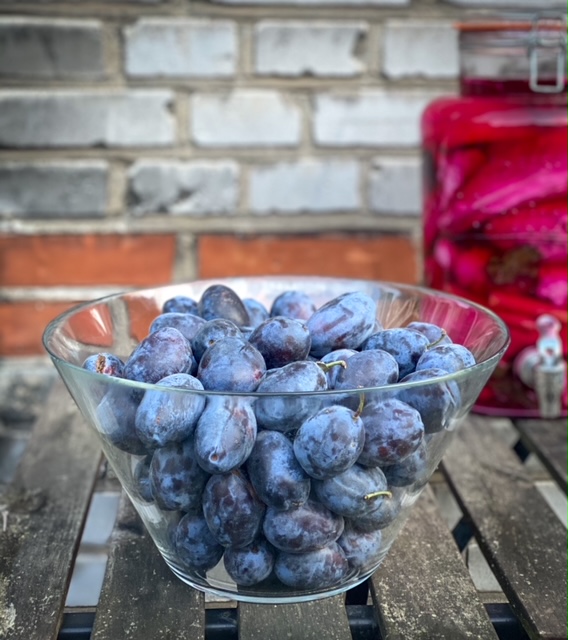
(423, 591)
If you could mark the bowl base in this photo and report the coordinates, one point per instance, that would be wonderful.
(258, 598)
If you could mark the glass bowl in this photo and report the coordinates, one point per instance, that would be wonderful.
(217, 526)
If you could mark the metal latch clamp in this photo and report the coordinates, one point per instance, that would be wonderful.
(548, 34)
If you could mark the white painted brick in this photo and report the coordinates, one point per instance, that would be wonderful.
(180, 48)
(372, 117)
(245, 117)
(299, 48)
(44, 48)
(304, 3)
(183, 188)
(535, 5)
(53, 190)
(428, 49)
(86, 118)
(9, 2)
(316, 186)
(395, 186)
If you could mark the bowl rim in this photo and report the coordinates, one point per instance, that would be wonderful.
(489, 362)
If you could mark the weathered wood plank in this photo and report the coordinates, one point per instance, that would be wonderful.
(314, 620)
(547, 439)
(423, 589)
(45, 507)
(141, 598)
(519, 534)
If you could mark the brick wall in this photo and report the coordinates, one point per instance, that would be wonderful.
(150, 141)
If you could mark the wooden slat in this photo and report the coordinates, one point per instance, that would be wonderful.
(141, 598)
(423, 589)
(46, 506)
(519, 534)
(316, 620)
(547, 439)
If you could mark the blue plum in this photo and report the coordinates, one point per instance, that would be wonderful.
(373, 368)
(305, 528)
(220, 301)
(404, 345)
(436, 402)
(233, 511)
(164, 417)
(210, 332)
(231, 364)
(225, 434)
(382, 514)
(355, 492)
(329, 441)
(281, 341)
(339, 355)
(195, 546)
(246, 332)
(177, 480)
(116, 419)
(362, 550)
(186, 323)
(106, 364)
(449, 357)
(274, 472)
(141, 477)
(393, 430)
(287, 412)
(257, 312)
(320, 569)
(160, 354)
(250, 565)
(180, 304)
(413, 470)
(293, 304)
(434, 333)
(342, 323)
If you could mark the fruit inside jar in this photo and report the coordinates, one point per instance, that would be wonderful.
(495, 182)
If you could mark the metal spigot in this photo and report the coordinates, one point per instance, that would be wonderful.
(542, 368)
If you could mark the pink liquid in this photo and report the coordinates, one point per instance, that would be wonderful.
(495, 211)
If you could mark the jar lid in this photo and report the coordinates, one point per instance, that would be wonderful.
(544, 28)
(539, 37)
(544, 24)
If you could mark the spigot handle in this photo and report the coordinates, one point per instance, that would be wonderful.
(550, 369)
(543, 368)
(549, 344)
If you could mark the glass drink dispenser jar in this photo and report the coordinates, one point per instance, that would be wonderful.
(495, 181)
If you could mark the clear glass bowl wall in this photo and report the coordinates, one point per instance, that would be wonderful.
(118, 323)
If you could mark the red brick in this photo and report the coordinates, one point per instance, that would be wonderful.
(350, 255)
(141, 312)
(46, 260)
(92, 325)
(23, 324)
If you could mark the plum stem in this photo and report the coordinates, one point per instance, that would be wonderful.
(326, 366)
(378, 494)
(443, 335)
(361, 406)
